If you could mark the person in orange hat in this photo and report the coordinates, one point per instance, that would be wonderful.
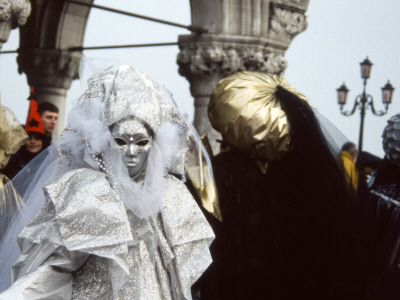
(36, 142)
(48, 113)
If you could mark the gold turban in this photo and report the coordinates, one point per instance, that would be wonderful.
(245, 110)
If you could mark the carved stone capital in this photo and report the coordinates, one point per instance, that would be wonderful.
(50, 68)
(209, 61)
(13, 13)
(5, 29)
(225, 60)
(16, 10)
(5, 10)
(286, 22)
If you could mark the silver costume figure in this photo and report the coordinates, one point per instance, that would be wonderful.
(114, 222)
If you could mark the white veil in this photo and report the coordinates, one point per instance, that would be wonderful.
(333, 135)
(27, 185)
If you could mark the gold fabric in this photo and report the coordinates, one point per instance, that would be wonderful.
(349, 169)
(245, 110)
(12, 135)
(200, 174)
(204, 139)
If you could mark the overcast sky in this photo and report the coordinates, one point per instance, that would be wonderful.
(339, 36)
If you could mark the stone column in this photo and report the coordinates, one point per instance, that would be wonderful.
(13, 13)
(243, 35)
(51, 73)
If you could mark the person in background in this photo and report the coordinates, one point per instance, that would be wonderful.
(49, 114)
(347, 158)
(367, 164)
(37, 139)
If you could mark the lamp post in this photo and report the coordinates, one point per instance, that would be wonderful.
(364, 100)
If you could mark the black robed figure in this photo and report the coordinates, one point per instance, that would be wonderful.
(289, 227)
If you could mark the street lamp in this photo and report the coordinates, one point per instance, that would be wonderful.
(364, 100)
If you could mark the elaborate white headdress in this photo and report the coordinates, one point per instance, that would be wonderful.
(112, 95)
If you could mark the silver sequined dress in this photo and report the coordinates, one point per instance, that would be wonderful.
(85, 244)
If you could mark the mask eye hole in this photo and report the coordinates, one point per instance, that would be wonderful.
(142, 143)
(120, 142)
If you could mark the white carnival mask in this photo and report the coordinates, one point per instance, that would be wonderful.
(134, 139)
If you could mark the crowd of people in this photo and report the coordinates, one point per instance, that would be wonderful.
(113, 212)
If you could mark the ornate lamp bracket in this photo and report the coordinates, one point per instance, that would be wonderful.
(357, 102)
